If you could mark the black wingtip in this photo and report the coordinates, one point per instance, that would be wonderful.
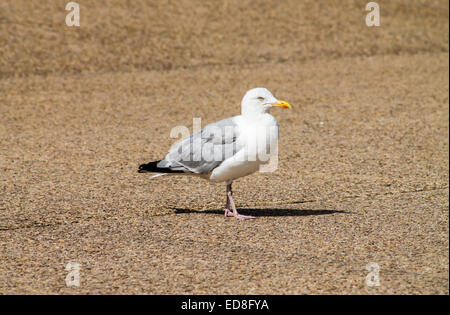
(149, 167)
(142, 169)
(152, 167)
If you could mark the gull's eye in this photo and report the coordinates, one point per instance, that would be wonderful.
(260, 98)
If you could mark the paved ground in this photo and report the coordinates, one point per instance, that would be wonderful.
(363, 172)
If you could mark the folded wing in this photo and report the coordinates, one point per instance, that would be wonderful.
(205, 150)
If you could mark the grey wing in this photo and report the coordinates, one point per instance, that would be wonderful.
(205, 150)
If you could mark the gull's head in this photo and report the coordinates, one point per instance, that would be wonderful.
(259, 101)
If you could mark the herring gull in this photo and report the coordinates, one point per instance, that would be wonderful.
(228, 149)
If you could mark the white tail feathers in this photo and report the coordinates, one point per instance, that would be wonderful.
(157, 175)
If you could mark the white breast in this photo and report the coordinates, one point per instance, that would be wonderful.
(259, 138)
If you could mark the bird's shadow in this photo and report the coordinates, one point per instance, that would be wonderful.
(267, 212)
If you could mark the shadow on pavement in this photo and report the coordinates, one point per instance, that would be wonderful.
(271, 212)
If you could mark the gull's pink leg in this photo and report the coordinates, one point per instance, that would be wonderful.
(228, 213)
(230, 201)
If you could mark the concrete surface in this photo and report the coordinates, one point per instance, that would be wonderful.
(363, 163)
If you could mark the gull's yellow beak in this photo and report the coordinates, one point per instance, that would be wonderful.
(282, 104)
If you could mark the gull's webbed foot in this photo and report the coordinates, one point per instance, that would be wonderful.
(228, 213)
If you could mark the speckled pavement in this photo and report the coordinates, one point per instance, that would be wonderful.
(363, 155)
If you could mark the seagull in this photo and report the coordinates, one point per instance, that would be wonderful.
(228, 149)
